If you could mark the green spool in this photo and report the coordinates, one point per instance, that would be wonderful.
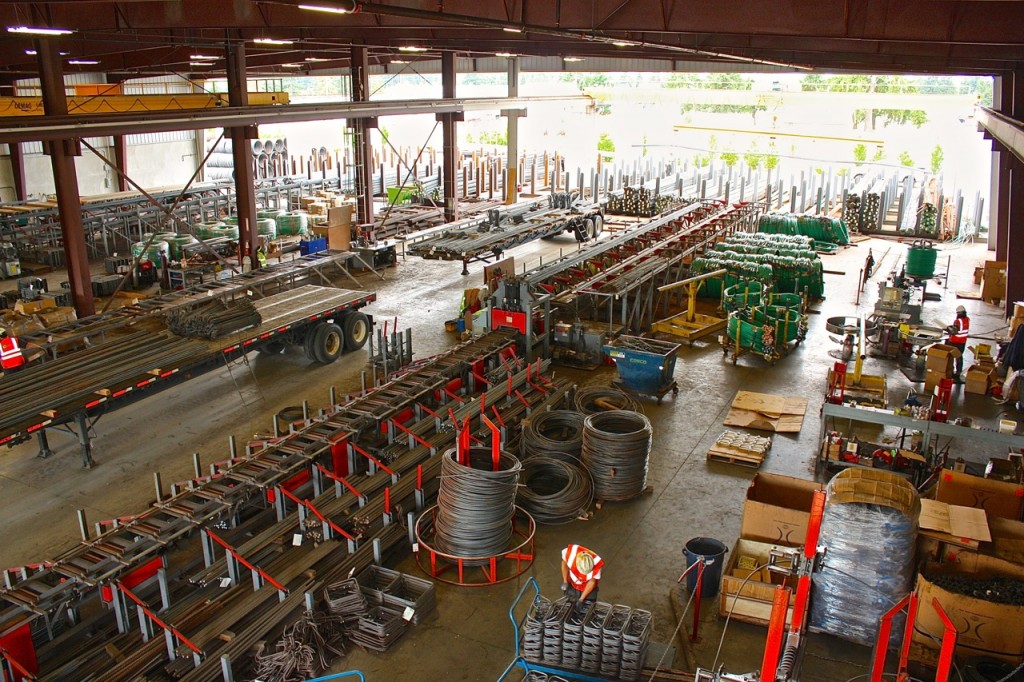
(153, 252)
(231, 220)
(292, 223)
(921, 261)
(229, 231)
(177, 242)
(272, 214)
(266, 226)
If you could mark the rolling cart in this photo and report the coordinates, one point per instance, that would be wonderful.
(646, 366)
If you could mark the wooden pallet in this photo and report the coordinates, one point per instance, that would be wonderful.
(734, 456)
(743, 449)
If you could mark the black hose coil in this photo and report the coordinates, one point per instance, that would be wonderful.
(616, 449)
(475, 504)
(554, 491)
(556, 433)
(594, 399)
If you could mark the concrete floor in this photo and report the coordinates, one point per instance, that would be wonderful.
(470, 638)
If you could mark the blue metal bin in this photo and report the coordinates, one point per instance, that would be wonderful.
(645, 366)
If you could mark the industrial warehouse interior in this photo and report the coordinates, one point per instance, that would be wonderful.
(614, 340)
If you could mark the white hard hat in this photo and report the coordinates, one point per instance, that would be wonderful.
(584, 562)
(961, 309)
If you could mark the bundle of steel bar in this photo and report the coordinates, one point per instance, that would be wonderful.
(214, 319)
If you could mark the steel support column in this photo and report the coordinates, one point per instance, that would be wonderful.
(18, 171)
(121, 159)
(1015, 236)
(362, 147)
(62, 155)
(512, 152)
(241, 152)
(450, 140)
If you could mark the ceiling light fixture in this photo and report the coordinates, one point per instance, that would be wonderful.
(399, 61)
(292, 65)
(272, 41)
(202, 57)
(512, 29)
(317, 59)
(412, 48)
(31, 52)
(504, 54)
(83, 62)
(40, 30)
(623, 43)
(572, 59)
(325, 8)
(206, 64)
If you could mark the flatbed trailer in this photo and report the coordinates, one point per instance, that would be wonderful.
(75, 389)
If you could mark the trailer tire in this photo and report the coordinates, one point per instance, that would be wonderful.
(357, 330)
(590, 229)
(598, 224)
(328, 343)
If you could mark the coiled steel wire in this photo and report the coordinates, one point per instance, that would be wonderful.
(554, 491)
(594, 399)
(556, 433)
(476, 504)
(616, 449)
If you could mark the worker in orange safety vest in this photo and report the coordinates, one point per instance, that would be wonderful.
(958, 333)
(11, 357)
(581, 573)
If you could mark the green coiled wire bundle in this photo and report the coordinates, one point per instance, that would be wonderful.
(764, 329)
(927, 219)
(742, 295)
(292, 223)
(203, 230)
(778, 223)
(823, 229)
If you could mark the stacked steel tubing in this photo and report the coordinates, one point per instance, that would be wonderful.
(252, 614)
(234, 486)
(26, 394)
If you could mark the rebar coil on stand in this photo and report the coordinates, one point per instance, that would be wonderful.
(475, 504)
(555, 433)
(616, 449)
(554, 491)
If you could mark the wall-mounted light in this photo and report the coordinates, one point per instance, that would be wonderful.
(40, 30)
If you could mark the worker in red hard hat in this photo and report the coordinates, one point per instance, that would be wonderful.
(581, 573)
(958, 333)
(11, 357)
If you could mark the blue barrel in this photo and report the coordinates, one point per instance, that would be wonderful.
(713, 552)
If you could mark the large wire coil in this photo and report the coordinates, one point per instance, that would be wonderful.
(594, 399)
(476, 504)
(616, 450)
(555, 433)
(553, 490)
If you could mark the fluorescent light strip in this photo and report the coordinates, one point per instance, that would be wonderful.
(399, 61)
(507, 55)
(316, 59)
(206, 64)
(412, 48)
(83, 62)
(572, 59)
(201, 57)
(292, 65)
(324, 8)
(272, 41)
(512, 29)
(40, 30)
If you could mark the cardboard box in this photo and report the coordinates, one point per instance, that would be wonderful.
(940, 358)
(932, 378)
(983, 627)
(993, 281)
(750, 600)
(1005, 500)
(1018, 310)
(979, 379)
(33, 307)
(777, 509)
(55, 317)
(340, 216)
(1007, 540)
(1014, 323)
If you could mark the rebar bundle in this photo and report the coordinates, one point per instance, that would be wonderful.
(304, 650)
(557, 434)
(616, 449)
(214, 319)
(476, 503)
(554, 491)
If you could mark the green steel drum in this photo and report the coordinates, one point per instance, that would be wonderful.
(921, 261)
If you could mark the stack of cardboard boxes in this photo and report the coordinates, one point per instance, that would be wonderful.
(993, 281)
(939, 364)
(982, 373)
(775, 513)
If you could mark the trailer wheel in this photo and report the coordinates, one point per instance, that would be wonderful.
(590, 229)
(598, 224)
(307, 343)
(357, 330)
(328, 343)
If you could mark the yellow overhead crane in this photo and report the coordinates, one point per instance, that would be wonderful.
(119, 104)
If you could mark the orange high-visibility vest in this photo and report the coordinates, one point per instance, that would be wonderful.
(576, 577)
(961, 329)
(10, 354)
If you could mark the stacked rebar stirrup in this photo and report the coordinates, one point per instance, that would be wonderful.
(616, 449)
(476, 504)
(611, 640)
(590, 659)
(305, 649)
(594, 399)
(214, 319)
(554, 491)
(532, 646)
(556, 433)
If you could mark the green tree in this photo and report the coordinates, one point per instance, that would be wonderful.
(879, 153)
(605, 144)
(937, 157)
(753, 156)
(730, 158)
(771, 159)
(860, 153)
(905, 159)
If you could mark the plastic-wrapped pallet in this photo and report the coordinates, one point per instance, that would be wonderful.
(869, 528)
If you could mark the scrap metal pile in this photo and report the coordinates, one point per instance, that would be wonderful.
(354, 476)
